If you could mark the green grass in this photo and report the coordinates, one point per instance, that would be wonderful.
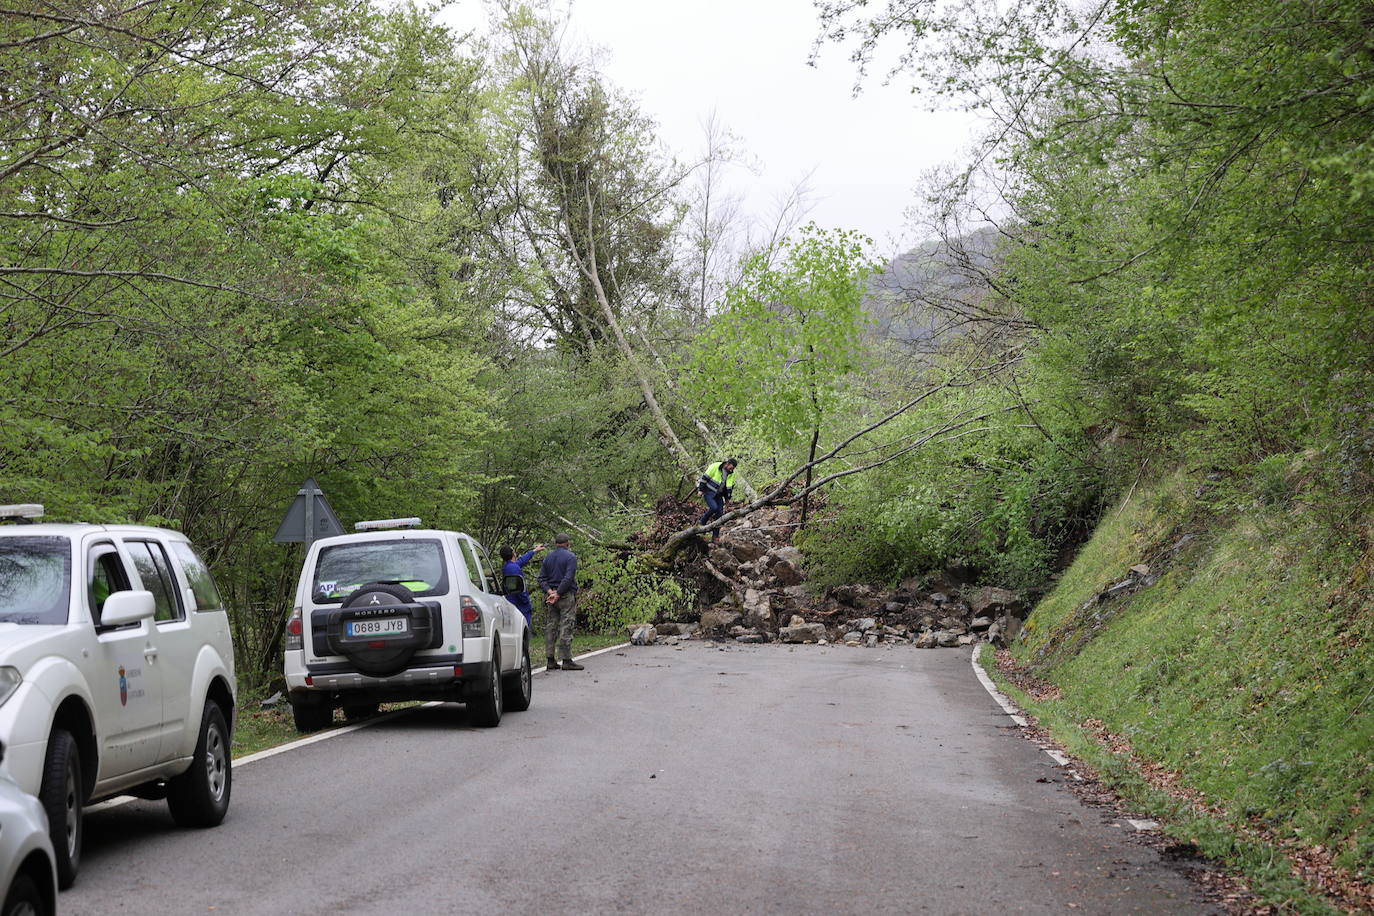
(258, 729)
(1265, 868)
(1247, 668)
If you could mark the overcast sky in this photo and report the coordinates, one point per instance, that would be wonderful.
(747, 61)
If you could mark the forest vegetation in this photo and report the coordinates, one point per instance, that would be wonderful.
(458, 276)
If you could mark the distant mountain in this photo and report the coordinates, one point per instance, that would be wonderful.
(933, 290)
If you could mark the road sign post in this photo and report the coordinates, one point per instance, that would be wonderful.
(309, 517)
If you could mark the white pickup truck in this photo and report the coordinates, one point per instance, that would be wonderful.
(116, 673)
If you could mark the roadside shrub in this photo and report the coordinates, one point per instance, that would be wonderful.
(1007, 503)
(622, 591)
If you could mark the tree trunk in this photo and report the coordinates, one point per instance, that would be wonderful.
(810, 466)
(587, 261)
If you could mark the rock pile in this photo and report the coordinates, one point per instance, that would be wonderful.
(755, 590)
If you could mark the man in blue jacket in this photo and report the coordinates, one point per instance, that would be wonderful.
(511, 565)
(558, 579)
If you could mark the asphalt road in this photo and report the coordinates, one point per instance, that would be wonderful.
(757, 779)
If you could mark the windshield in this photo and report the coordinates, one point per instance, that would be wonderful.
(35, 579)
(416, 564)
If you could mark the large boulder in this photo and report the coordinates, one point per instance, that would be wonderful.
(806, 632)
(990, 601)
(758, 609)
(927, 640)
(719, 618)
(747, 544)
(1010, 626)
(784, 563)
(724, 561)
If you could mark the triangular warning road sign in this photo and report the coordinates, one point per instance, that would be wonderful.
(323, 520)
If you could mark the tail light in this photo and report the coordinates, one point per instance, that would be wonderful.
(472, 618)
(295, 631)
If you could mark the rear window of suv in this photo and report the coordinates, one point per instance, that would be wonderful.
(342, 568)
(35, 579)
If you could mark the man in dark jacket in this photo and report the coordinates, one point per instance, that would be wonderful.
(558, 579)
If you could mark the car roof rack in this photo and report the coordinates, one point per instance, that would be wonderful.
(379, 524)
(23, 513)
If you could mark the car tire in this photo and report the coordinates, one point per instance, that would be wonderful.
(311, 717)
(61, 793)
(518, 689)
(200, 796)
(356, 712)
(25, 899)
(486, 707)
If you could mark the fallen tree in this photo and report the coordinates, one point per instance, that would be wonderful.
(960, 423)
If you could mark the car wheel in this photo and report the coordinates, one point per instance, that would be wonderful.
(200, 796)
(518, 689)
(356, 712)
(24, 899)
(61, 795)
(311, 717)
(486, 708)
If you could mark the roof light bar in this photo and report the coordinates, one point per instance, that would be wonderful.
(383, 523)
(22, 510)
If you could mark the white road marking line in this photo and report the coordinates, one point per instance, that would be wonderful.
(1007, 705)
(1010, 709)
(334, 733)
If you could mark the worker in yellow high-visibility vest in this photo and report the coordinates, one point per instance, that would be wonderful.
(715, 486)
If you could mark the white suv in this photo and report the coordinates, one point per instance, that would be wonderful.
(399, 613)
(116, 673)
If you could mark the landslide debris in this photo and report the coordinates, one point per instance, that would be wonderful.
(751, 586)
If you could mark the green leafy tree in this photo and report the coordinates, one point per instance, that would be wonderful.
(777, 353)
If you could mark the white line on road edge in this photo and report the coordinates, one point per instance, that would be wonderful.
(1010, 709)
(336, 732)
(1007, 705)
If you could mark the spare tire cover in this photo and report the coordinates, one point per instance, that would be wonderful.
(393, 659)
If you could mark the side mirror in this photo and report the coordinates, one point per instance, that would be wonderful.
(126, 607)
(188, 598)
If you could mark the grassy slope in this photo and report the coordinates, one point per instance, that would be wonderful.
(1248, 668)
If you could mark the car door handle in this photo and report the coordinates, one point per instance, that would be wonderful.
(150, 653)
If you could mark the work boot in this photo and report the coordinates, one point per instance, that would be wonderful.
(551, 663)
(570, 665)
